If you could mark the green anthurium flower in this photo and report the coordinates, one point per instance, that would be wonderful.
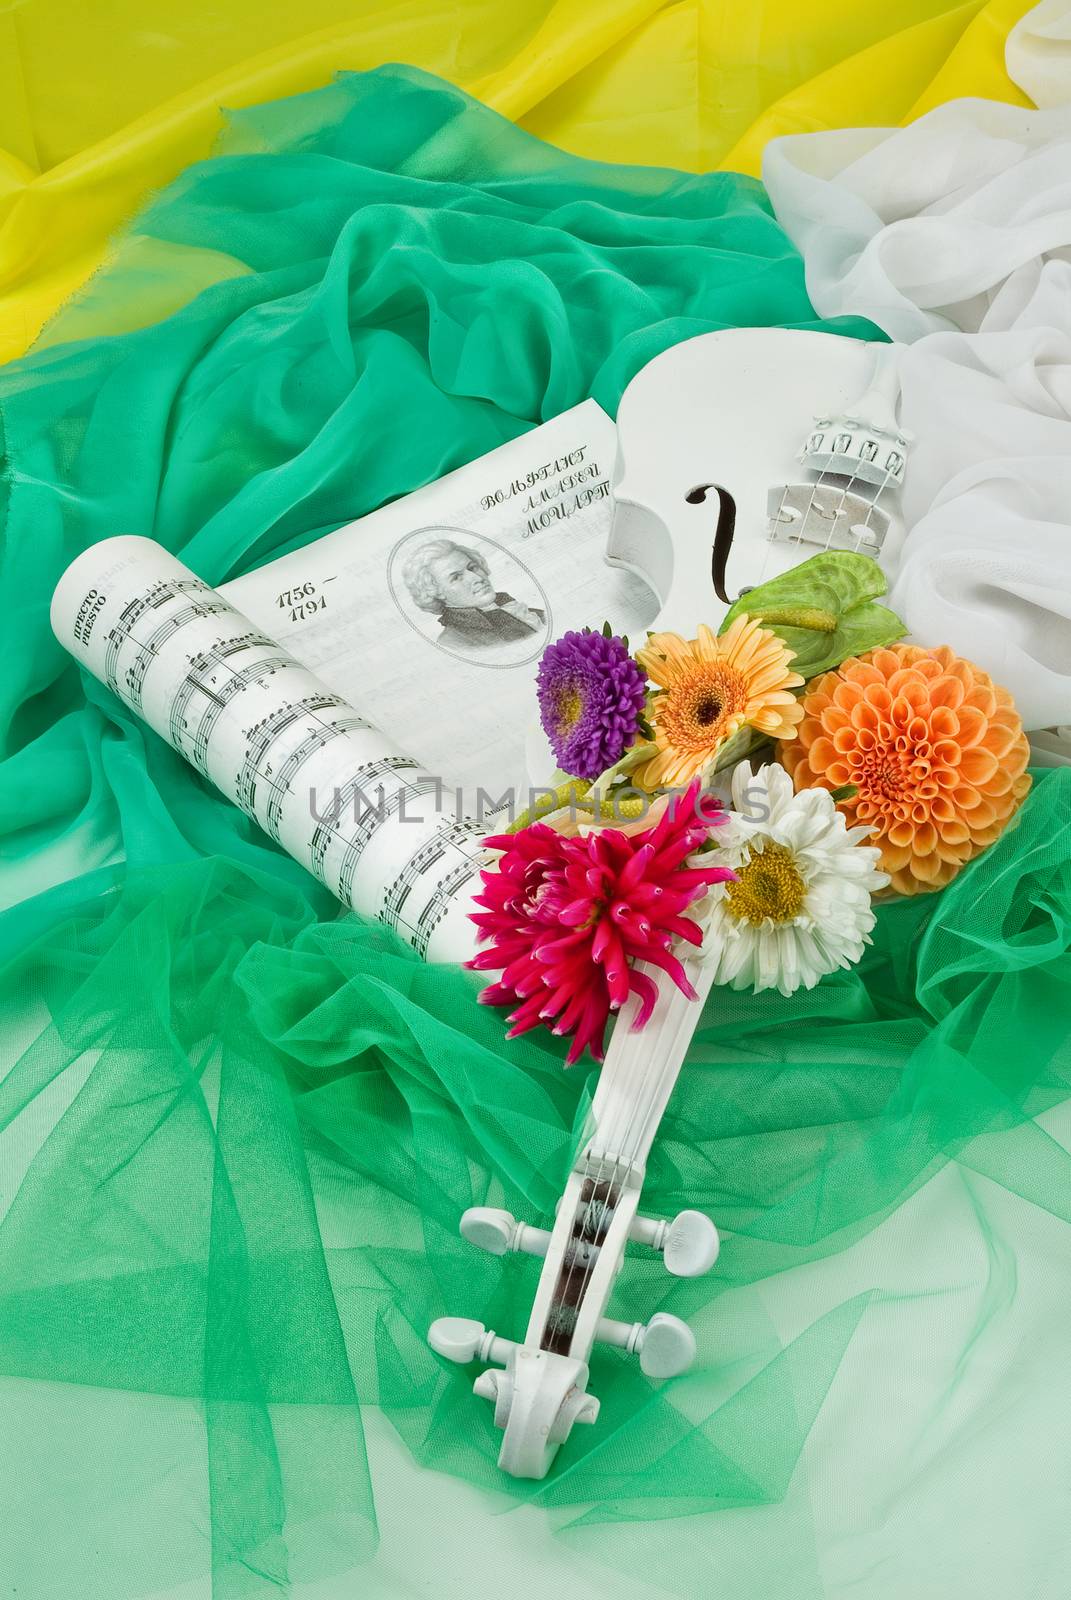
(825, 610)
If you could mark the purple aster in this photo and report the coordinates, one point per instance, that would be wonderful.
(591, 697)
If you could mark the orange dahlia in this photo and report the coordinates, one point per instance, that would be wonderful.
(708, 688)
(935, 750)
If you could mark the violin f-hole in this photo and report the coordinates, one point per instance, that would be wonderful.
(723, 533)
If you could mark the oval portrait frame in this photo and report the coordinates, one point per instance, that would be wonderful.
(487, 546)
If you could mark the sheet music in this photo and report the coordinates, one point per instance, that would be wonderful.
(426, 619)
(382, 833)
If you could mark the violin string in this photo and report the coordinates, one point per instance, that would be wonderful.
(627, 1143)
(855, 479)
(561, 1299)
(815, 486)
(775, 521)
(617, 1153)
(599, 1205)
(872, 504)
(819, 482)
(882, 486)
(849, 486)
(767, 554)
(577, 1245)
(600, 1179)
(610, 1162)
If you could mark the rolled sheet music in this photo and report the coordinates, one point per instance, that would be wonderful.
(307, 767)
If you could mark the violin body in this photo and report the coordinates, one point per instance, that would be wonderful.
(785, 422)
(740, 454)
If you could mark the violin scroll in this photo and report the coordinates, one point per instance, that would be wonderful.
(542, 1387)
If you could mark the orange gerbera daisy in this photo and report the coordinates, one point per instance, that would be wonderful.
(935, 749)
(708, 688)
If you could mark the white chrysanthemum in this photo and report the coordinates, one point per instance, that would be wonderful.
(801, 905)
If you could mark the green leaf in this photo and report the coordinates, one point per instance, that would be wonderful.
(731, 751)
(824, 610)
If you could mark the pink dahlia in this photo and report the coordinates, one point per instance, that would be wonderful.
(569, 917)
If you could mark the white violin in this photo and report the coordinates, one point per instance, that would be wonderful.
(713, 495)
(702, 431)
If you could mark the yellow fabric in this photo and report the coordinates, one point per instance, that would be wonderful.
(101, 103)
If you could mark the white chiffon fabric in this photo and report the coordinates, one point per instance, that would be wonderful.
(953, 235)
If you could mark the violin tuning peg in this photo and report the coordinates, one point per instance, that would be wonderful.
(498, 1232)
(665, 1345)
(489, 1229)
(462, 1340)
(691, 1245)
(668, 1346)
(457, 1338)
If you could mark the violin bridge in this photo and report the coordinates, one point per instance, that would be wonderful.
(827, 515)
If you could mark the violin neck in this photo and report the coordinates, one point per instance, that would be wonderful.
(601, 1196)
(640, 1070)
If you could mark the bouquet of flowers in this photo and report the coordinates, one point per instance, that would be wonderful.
(744, 795)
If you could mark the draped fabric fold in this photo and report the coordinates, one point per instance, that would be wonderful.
(237, 1127)
(101, 105)
(954, 236)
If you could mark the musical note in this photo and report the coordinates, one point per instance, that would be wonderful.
(275, 740)
(452, 840)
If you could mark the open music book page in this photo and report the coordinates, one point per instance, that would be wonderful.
(431, 614)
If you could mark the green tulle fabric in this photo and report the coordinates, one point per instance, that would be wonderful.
(237, 1126)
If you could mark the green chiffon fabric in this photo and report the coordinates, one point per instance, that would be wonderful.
(238, 1126)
